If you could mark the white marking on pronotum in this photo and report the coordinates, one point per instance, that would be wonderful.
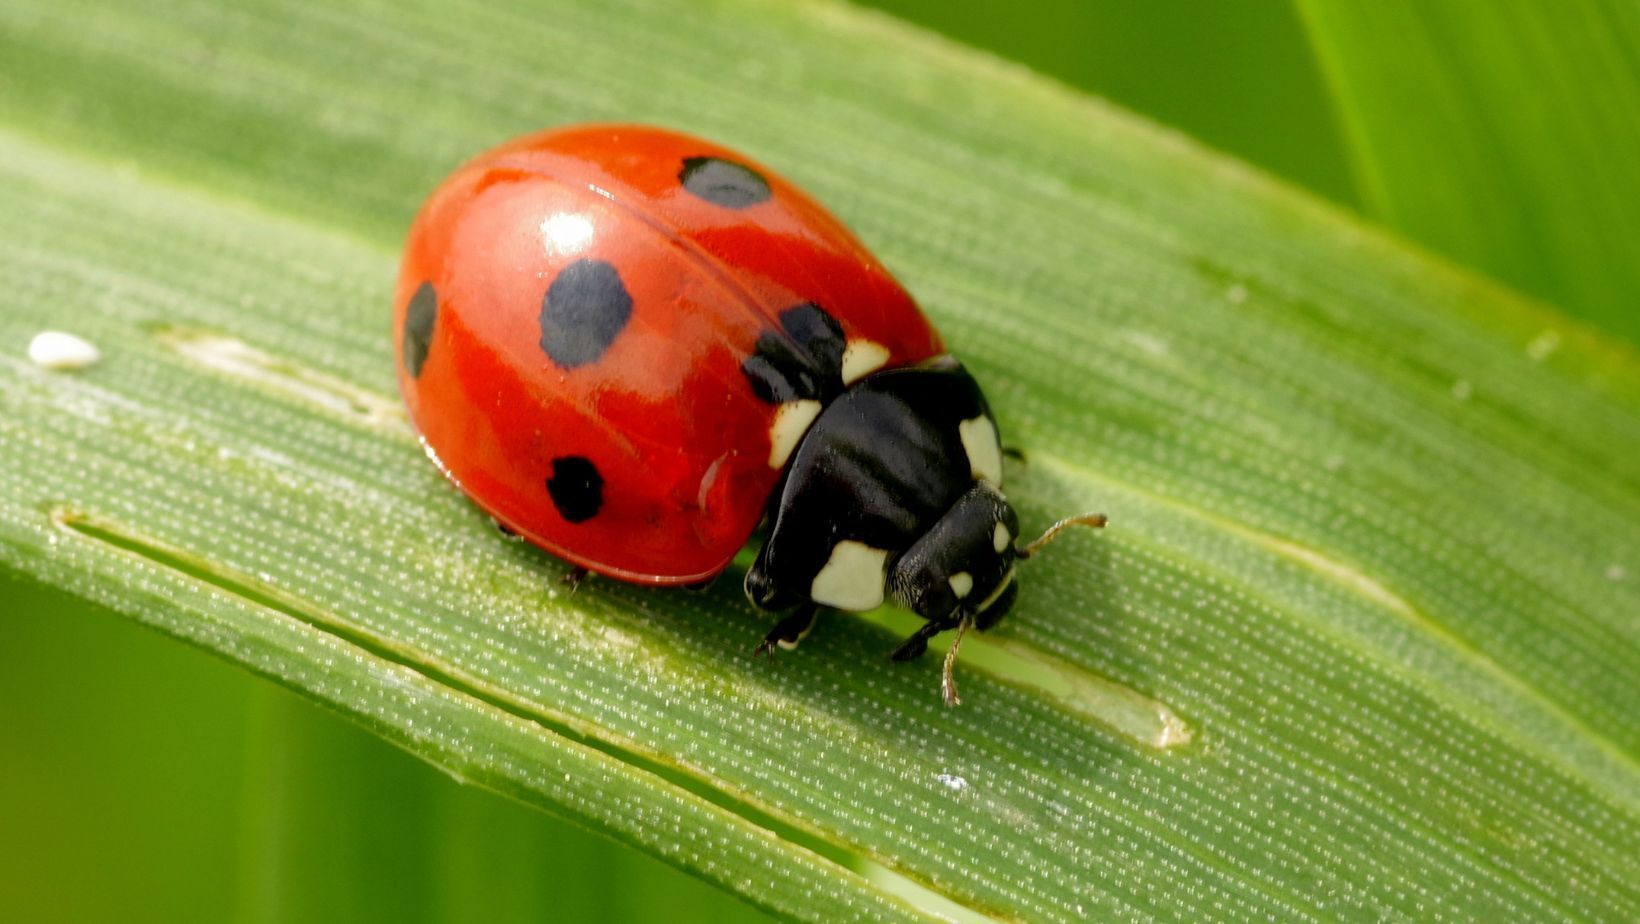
(53, 349)
(853, 577)
(979, 440)
(962, 583)
(791, 421)
(861, 358)
(1000, 537)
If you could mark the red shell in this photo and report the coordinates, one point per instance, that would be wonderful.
(665, 414)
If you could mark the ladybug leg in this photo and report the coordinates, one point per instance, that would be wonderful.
(573, 578)
(1015, 453)
(917, 644)
(700, 587)
(503, 528)
(789, 631)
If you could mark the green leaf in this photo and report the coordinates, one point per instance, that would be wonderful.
(1504, 134)
(1359, 641)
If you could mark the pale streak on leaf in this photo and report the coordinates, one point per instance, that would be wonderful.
(234, 358)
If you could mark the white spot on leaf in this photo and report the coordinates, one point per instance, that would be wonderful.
(54, 349)
(1542, 345)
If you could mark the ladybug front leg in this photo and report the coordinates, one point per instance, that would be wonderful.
(789, 631)
(917, 644)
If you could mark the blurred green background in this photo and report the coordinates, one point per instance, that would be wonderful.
(1238, 76)
(148, 781)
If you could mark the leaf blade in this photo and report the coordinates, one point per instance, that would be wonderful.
(1192, 348)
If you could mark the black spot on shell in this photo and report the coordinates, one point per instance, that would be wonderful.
(419, 319)
(818, 333)
(723, 182)
(766, 371)
(586, 306)
(576, 488)
(804, 362)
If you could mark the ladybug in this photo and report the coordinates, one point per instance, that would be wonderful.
(631, 347)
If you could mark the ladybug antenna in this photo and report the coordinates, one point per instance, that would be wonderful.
(1081, 519)
(948, 682)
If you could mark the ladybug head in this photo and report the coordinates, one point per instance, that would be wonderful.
(962, 569)
(961, 572)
